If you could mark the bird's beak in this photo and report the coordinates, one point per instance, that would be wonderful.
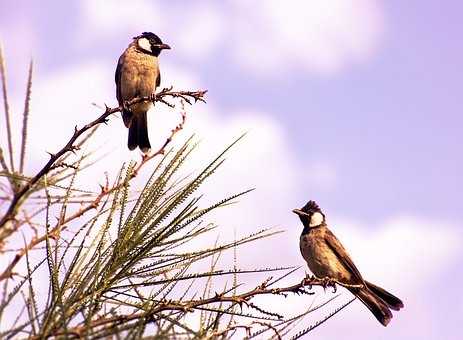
(163, 46)
(300, 212)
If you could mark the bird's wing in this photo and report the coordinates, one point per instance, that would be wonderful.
(158, 80)
(301, 246)
(342, 254)
(117, 78)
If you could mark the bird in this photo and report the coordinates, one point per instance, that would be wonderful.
(328, 259)
(138, 75)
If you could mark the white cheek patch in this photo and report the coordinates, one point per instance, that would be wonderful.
(144, 44)
(316, 219)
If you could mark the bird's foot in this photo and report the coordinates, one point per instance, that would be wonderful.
(301, 289)
(153, 97)
(309, 276)
(329, 282)
(308, 279)
(126, 106)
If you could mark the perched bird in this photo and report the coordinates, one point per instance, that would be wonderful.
(327, 258)
(137, 75)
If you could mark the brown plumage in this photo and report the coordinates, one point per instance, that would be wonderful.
(137, 75)
(326, 257)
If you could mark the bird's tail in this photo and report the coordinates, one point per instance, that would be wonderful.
(392, 301)
(375, 304)
(127, 117)
(138, 133)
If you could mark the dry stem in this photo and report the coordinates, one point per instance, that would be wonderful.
(191, 305)
(70, 146)
(105, 190)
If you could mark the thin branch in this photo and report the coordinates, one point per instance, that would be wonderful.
(217, 334)
(162, 149)
(188, 306)
(326, 318)
(269, 326)
(105, 190)
(187, 96)
(3, 164)
(6, 107)
(26, 118)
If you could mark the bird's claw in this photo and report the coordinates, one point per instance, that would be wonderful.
(307, 280)
(329, 282)
(298, 290)
(309, 276)
(126, 106)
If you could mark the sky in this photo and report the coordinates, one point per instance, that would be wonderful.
(354, 104)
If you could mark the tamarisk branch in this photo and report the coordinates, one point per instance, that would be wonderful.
(158, 307)
(189, 97)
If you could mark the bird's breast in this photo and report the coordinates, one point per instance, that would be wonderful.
(320, 259)
(138, 77)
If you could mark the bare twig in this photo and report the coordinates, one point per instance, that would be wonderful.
(269, 326)
(188, 306)
(187, 96)
(3, 163)
(162, 149)
(105, 190)
(320, 322)
(229, 329)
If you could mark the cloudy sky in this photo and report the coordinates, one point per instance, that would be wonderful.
(355, 104)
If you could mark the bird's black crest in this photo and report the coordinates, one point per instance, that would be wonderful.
(311, 206)
(150, 36)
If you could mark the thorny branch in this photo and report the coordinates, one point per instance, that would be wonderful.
(105, 190)
(191, 305)
(187, 96)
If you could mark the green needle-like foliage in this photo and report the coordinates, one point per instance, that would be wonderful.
(133, 256)
(126, 263)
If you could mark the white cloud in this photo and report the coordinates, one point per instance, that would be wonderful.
(314, 36)
(62, 100)
(20, 44)
(319, 175)
(192, 30)
(106, 18)
(262, 160)
(268, 37)
(405, 249)
(200, 31)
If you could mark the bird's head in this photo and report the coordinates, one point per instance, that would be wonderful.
(311, 215)
(150, 43)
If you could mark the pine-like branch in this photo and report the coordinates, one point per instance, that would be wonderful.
(191, 305)
(6, 108)
(70, 146)
(8, 272)
(26, 118)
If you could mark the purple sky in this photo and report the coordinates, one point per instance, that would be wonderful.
(360, 102)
